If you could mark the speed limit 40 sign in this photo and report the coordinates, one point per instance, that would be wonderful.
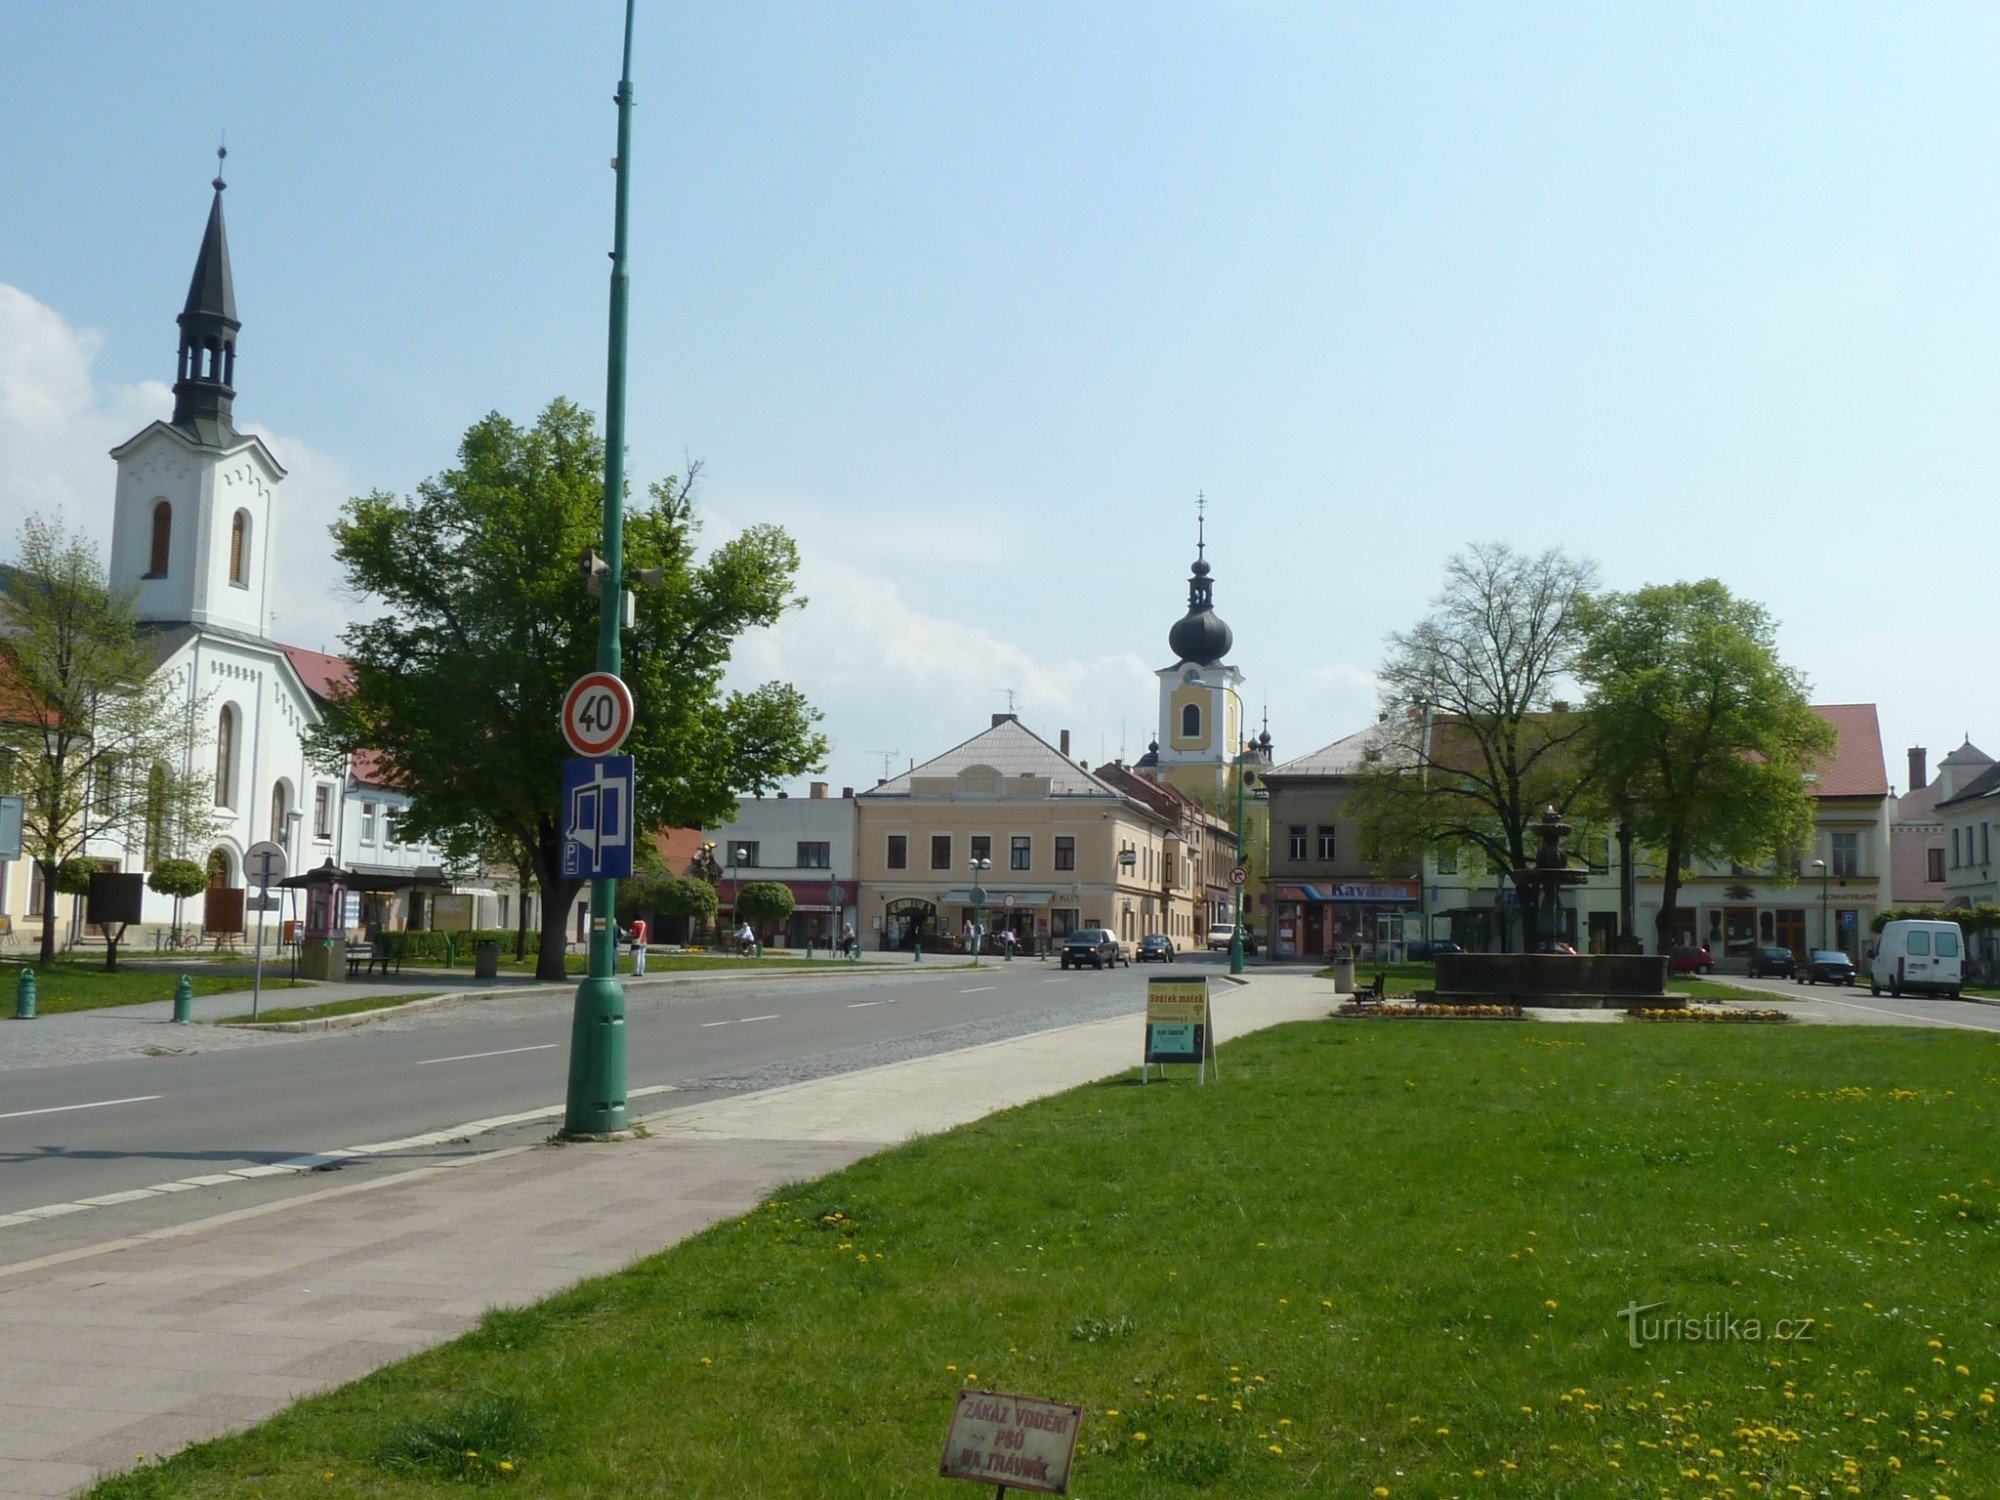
(597, 713)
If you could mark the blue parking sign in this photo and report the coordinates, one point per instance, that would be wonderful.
(597, 817)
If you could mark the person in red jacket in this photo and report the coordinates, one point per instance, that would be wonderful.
(638, 945)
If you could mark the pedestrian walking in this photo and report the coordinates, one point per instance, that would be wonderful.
(638, 945)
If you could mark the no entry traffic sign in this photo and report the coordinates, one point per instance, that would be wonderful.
(597, 713)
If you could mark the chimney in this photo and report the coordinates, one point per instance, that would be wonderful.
(783, 795)
(999, 719)
(1918, 768)
(847, 791)
(1063, 744)
(881, 781)
(818, 790)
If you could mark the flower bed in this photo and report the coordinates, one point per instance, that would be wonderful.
(1712, 1017)
(1431, 1010)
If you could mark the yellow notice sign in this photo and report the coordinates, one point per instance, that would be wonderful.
(1017, 1442)
(1177, 1022)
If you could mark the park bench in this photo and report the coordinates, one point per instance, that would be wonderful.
(360, 958)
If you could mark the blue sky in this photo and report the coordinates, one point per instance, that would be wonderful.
(975, 299)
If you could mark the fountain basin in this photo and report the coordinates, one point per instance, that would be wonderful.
(1558, 981)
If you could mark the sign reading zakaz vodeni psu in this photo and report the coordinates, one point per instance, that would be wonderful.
(1015, 1442)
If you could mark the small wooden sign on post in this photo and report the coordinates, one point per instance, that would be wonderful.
(1014, 1442)
(1179, 1025)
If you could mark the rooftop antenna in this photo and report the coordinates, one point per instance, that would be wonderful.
(887, 757)
(1010, 697)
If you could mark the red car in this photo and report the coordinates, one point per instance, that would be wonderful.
(1688, 959)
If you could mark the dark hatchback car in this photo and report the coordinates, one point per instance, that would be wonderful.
(1420, 951)
(1768, 961)
(1825, 966)
(1155, 945)
(1097, 946)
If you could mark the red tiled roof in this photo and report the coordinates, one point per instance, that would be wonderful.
(1856, 768)
(319, 672)
(374, 768)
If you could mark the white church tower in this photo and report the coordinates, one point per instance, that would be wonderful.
(191, 529)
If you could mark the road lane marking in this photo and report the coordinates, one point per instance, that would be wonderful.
(503, 1052)
(863, 1004)
(978, 990)
(56, 1109)
(1900, 1016)
(299, 1165)
(748, 1019)
(706, 1024)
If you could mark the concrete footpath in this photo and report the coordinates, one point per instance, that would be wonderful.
(135, 1348)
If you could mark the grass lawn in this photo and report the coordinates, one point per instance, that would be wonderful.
(330, 1008)
(66, 985)
(658, 963)
(1370, 1260)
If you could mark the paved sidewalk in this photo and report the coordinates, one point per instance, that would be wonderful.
(146, 1345)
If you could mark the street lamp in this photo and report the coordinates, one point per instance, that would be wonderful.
(980, 863)
(1824, 937)
(1242, 858)
(737, 857)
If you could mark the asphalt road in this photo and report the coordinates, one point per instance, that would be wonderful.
(99, 1129)
(1853, 1004)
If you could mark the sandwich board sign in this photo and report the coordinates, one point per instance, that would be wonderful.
(1179, 1025)
(1015, 1442)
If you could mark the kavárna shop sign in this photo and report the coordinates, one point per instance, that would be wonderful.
(1015, 1442)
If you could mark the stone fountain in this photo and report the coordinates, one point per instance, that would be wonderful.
(1551, 978)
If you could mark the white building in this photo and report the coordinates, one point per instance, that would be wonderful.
(806, 843)
(196, 507)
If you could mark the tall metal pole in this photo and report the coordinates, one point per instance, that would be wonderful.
(596, 1101)
(1243, 860)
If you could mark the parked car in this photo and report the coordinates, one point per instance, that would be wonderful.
(1219, 935)
(1826, 965)
(1432, 950)
(1920, 957)
(1155, 945)
(1097, 946)
(1767, 961)
(1686, 958)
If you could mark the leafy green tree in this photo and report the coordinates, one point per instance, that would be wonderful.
(667, 895)
(1475, 739)
(179, 878)
(1703, 736)
(765, 904)
(94, 744)
(460, 680)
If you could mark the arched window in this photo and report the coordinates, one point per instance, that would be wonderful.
(163, 536)
(239, 549)
(225, 756)
(1191, 722)
(280, 805)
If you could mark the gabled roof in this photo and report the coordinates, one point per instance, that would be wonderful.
(1012, 749)
(1985, 784)
(205, 438)
(1344, 756)
(1856, 767)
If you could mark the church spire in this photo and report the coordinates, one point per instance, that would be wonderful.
(204, 389)
(1200, 635)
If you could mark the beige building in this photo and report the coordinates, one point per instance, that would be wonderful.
(1066, 850)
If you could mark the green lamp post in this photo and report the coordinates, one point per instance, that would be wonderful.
(595, 1103)
(980, 865)
(1243, 859)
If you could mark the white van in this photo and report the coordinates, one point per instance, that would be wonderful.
(1921, 957)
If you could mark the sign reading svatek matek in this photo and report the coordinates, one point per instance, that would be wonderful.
(1178, 1022)
(1015, 1442)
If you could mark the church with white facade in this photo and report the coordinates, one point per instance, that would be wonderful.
(197, 505)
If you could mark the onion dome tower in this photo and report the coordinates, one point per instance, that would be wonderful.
(1201, 709)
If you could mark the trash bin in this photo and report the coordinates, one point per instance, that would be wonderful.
(486, 959)
(1343, 976)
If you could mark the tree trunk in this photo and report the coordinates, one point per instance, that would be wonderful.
(48, 912)
(524, 876)
(555, 935)
(1670, 900)
(1628, 885)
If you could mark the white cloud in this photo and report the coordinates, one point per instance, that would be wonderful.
(58, 426)
(891, 678)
